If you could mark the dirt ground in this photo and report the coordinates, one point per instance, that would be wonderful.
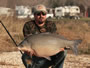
(13, 60)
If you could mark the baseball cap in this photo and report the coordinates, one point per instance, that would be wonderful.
(40, 8)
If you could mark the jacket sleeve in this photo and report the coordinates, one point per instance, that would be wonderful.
(51, 27)
(27, 29)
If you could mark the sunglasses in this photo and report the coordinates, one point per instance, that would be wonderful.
(39, 13)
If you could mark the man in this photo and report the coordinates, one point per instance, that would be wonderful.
(39, 25)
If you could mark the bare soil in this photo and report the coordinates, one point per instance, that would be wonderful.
(13, 60)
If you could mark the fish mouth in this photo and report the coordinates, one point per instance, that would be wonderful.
(23, 49)
(27, 51)
(19, 48)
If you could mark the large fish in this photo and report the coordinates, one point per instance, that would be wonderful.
(47, 44)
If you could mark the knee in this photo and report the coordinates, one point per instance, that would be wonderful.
(26, 60)
(42, 63)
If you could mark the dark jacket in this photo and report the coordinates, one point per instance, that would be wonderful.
(31, 28)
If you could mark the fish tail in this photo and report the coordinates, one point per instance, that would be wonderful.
(75, 47)
(78, 41)
(75, 50)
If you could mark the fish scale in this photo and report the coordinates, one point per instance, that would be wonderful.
(47, 44)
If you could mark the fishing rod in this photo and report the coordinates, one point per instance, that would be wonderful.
(10, 35)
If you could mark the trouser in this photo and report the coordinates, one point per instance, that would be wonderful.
(57, 61)
(26, 59)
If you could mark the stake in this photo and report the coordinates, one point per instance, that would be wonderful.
(10, 35)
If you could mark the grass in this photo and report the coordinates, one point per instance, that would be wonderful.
(70, 28)
(14, 26)
(85, 19)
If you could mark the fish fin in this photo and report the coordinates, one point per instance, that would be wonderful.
(75, 49)
(47, 58)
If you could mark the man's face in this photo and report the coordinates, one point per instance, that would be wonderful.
(40, 17)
